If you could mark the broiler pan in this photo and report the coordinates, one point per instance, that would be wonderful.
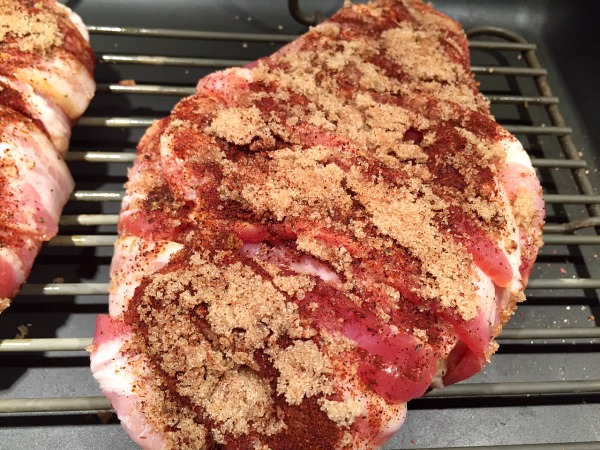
(538, 63)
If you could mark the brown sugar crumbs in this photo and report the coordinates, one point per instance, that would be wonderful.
(343, 413)
(304, 372)
(238, 125)
(213, 367)
(34, 30)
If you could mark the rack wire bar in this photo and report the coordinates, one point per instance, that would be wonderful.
(482, 44)
(191, 34)
(553, 239)
(510, 334)
(175, 61)
(559, 163)
(44, 344)
(146, 89)
(56, 404)
(505, 71)
(526, 388)
(538, 130)
(548, 198)
(99, 156)
(564, 283)
(171, 61)
(525, 99)
(102, 288)
(297, 14)
(572, 199)
(574, 225)
(65, 289)
(88, 219)
(263, 37)
(157, 89)
(118, 157)
(103, 157)
(144, 122)
(83, 241)
(109, 240)
(116, 122)
(53, 404)
(549, 446)
(550, 333)
(95, 196)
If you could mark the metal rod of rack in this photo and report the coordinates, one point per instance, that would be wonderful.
(88, 220)
(549, 446)
(117, 196)
(263, 37)
(109, 240)
(102, 288)
(65, 289)
(23, 405)
(142, 122)
(508, 334)
(190, 34)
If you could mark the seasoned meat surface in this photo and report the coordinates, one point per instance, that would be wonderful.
(46, 82)
(311, 241)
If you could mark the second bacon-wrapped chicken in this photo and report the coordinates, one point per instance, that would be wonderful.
(46, 82)
(309, 242)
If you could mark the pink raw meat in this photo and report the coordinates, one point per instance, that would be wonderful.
(311, 241)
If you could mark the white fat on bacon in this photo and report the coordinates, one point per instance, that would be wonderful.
(112, 371)
(71, 93)
(133, 259)
(76, 20)
(305, 265)
(38, 178)
(55, 121)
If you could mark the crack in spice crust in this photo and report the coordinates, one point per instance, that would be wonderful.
(341, 236)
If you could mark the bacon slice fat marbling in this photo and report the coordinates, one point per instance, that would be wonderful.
(311, 241)
(46, 82)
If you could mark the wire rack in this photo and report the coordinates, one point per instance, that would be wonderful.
(46, 381)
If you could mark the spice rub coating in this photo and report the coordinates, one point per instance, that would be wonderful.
(347, 236)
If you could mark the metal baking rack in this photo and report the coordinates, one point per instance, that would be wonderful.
(68, 286)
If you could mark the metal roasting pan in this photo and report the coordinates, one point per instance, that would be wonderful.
(539, 64)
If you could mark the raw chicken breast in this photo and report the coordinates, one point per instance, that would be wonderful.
(46, 82)
(309, 242)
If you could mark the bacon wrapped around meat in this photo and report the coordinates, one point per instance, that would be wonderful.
(309, 242)
(46, 83)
